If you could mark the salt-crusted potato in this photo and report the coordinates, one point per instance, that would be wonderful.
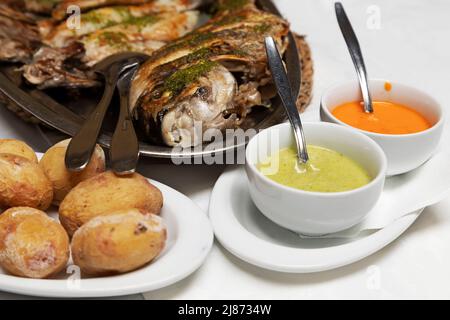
(107, 193)
(23, 183)
(118, 243)
(32, 245)
(53, 164)
(18, 148)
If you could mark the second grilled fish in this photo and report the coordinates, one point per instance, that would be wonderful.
(69, 66)
(158, 5)
(97, 19)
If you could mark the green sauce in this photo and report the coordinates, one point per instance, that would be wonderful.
(326, 171)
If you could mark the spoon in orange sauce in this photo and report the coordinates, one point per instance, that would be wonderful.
(387, 118)
(355, 52)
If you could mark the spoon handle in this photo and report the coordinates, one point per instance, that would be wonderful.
(356, 54)
(124, 150)
(283, 86)
(81, 147)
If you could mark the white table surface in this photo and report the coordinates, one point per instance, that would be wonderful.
(411, 46)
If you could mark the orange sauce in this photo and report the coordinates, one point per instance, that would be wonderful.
(387, 118)
(387, 86)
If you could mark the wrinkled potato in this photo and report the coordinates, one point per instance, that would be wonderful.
(32, 245)
(18, 148)
(53, 164)
(118, 243)
(23, 183)
(106, 193)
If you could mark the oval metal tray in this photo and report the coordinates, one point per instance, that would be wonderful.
(68, 114)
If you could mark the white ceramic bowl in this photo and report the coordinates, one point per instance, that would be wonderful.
(405, 152)
(315, 213)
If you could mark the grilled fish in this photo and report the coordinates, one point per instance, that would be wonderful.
(59, 68)
(210, 78)
(144, 34)
(19, 36)
(41, 6)
(158, 5)
(102, 18)
(69, 66)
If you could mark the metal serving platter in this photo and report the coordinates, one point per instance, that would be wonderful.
(66, 113)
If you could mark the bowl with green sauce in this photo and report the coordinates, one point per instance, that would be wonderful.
(334, 191)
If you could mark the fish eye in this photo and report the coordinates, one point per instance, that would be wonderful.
(226, 114)
(202, 92)
(157, 94)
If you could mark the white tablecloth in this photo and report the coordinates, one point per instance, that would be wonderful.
(411, 45)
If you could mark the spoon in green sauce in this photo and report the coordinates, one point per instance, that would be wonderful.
(284, 90)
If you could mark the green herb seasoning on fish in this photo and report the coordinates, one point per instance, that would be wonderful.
(233, 5)
(139, 34)
(156, 6)
(181, 78)
(113, 39)
(99, 19)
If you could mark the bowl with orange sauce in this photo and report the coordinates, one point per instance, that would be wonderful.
(407, 123)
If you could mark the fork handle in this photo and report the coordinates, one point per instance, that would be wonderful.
(82, 145)
(124, 152)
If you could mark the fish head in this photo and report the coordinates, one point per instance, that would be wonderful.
(184, 110)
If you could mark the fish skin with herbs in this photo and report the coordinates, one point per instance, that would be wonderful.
(214, 76)
(141, 34)
(69, 55)
(60, 11)
(61, 34)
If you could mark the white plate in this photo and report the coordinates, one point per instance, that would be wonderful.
(245, 232)
(190, 238)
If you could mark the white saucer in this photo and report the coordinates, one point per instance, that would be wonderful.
(245, 232)
(190, 238)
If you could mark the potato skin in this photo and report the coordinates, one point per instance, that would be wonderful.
(18, 148)
(32, 245)
(23, 183)
(118, 243)
(53, 164)
(106, 193)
